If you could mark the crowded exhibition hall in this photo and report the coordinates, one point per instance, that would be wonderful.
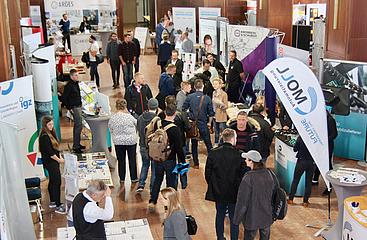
(177, 119)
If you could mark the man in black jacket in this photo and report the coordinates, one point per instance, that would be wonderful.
(137, 95)
(73, 102)
(179, 68)
(223, 173)
(137, 51)
(127, 53)
(265, 134)
(217, 65)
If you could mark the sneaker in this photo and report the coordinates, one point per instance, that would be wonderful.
(52, 205)
(151, 207)
(60, 209)
(315, 182)
(140, 189)
(306, 204)
(135, 180)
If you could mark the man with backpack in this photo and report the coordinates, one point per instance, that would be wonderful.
(163, 147)
(255, 197)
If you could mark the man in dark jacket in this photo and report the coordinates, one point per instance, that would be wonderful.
(143, 121)
(217, 65)
(254, 200)
(166, 85)
(137, 51)
(137, 95)
(179, 69)
(247, 138)
(265, 134)
(284, 118)
(127, 52)
(223, 173)
(113, 58)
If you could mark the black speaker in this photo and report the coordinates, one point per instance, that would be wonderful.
(301, 37)
(338, 99)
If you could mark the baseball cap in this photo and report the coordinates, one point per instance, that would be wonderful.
(153, 104)
(253, 155)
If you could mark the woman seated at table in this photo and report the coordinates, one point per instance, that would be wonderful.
(84, 25)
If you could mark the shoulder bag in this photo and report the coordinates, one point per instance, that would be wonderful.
(193, 132)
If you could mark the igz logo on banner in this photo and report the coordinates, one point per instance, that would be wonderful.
(25, 103)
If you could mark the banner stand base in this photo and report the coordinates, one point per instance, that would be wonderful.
(362, 163)
(321, 229)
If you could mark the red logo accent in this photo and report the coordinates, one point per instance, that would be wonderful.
(32, 158)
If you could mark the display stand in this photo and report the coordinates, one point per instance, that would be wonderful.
(189, 65)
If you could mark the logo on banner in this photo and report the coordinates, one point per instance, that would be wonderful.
(25, 102)
(64, 4)
(298, 97)
(32, 155)
(7, 90)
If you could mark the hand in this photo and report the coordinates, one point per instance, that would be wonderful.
(108, 192)
(123, 64)
(61, 160)
(285, 128)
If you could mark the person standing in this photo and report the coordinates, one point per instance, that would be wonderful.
(201, 110)
(255, 197)
(220, 105)
(166, 85)
(123, 128)
(137, 51)
(65, 29)
(49, 148)
(137, 95)
(159, 29)
(164, 52)
(305, 164)
(113, 58)
(217, 65)
(73, 102)
(234, 77)
(175, 226)
(206, 67)
(93, 51)
(143, 121)
(182, 94)
(127, 54)
(224, 170)
(179, 69)
(187, 45)
(88, 217)
(84, 25)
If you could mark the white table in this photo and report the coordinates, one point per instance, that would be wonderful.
(96, 169)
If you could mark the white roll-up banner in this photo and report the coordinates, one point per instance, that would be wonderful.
(302, 96)
(42, 85)
(185, 20)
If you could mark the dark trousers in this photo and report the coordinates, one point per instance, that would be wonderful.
(94, 72)
(163, 66)
(121, 158)
(78, 126)
(115, 69)
(316, 175)
(301, 167)
(136, 65)
(128, 73)
(219, 220)
(205, 136)
(162, 168)
(66, 38)
(54, 183)
(145, 168)
(264, 234)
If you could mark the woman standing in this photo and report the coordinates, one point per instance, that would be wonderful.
(84, 25)
(124, 136)
(175, 226)
(49, 148)
(220, 105)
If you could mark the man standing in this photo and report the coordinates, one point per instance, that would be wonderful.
(217, 65)
(207, 68)
(137, 95)
(254, 200)
(201, 111)
(182, 94)
(234, 77)
(65, 28)
(247, 138)
(73, 102)
(137, 51)
(166, 85)
(179, 69)
(114, 59)
(159, 30)
(187, 45)
(224, 170)
(93, 51)
(127, 57)
(88, 217)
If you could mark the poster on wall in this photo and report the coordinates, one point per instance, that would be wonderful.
(299, 14)
(208, 27)
(185, 20)
(313, 11)
(17, 108)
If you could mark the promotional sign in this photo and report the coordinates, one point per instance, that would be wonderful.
(17, 107)
(142, 34)
(287, 51)
(206, 26)
(209, 12)
(302, 96)
(185, 20)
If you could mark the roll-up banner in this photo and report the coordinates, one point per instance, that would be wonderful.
(185, 20)
(301, 94)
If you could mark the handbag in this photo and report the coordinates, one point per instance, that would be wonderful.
(85, 57)
(99, 58)
(192, 227)
(194, 132)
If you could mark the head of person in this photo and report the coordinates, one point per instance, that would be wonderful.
(217, 83)
(165, 37)
(258, 108)
(153, 104)
(127, 37)
(165, 17)
(242, 120)
(229, 136)
(186, 86)
(113, 37)
(210, 57)
(48, 128)
(171, 200)
(174, 55)
(232, 55)
(171, 69)
(97, 190)
(166, 21)
(199, 85)
(208, 41)
(260, 100)
(170, 100)
(74, 74)
(92, 39)
(121, 104)
(206, 65)
(131, 33)
(65, 16)
(85, 19)
(139, 79)
(51, 40)
(253, 159)
(171, 111)
(185, 35)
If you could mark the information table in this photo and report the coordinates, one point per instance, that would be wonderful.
(122, 230)
(355, 218)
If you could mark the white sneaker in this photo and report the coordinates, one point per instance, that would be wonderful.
(52, 205)
(60, 209)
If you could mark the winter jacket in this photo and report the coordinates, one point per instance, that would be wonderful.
(166, 85)
(265, 134)
(137, 102)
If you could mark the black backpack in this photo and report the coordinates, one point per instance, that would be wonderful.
(279, 200)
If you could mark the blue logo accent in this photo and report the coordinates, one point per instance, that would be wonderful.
(311, 91)
(8, 90)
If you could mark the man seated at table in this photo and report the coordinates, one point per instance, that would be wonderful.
(88, 217)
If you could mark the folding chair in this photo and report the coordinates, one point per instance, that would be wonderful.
(244, 82)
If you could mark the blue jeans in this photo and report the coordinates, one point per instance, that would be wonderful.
(171, 178)
(94, 72)
(219, 220)
(205, 136)
(145, 168)
(218, 128)
(128, 73)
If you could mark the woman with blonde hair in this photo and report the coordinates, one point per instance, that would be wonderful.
(220, 105)
(49, 147)
(175, 226)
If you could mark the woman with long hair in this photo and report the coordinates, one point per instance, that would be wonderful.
(175, 226)
(50, 152)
